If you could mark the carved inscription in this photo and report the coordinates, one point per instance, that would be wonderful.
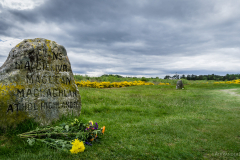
(44, 105)
(45, 93)
(39, 62)
(42, 61)
(32, 79)
(41, 66)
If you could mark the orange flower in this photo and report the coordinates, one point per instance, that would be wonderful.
(93, 138)
(103, 129)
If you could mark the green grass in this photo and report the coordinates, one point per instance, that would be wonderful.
(148, 122)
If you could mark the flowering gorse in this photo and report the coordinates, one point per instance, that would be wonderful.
(237, 81)
(163, 83)
(110, 85)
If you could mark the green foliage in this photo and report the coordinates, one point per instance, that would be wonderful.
(79, 77)
(26, 125)
(118, 78)
(144, 79)
(227, 77)
(106, 78)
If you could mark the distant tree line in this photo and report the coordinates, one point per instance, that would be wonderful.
(227, 77)
(112, 75)
(119, 78)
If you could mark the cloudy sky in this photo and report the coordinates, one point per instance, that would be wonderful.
(147, 38)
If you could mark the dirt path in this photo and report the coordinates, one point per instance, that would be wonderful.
(230, 91)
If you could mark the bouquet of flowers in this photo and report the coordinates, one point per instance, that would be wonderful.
(68, 137)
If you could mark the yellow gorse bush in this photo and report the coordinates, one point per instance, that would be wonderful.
(237, 81)
(163, 83)
(111, 85)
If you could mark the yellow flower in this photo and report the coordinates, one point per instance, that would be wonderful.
(77, 147)
(91, 122)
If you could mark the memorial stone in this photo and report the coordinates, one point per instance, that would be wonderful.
(36, 81)
(179, 84)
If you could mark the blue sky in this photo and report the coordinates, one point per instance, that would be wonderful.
(150, 38)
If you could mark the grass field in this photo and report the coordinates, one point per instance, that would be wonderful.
(149, 122)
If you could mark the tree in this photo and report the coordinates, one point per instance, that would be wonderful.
(144, 79)
(193, 77)
(183, 77)
(167, 77)
(200, 77)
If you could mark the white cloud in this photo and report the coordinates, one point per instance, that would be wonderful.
(135, 38)
(21, 4)
(139, 44)
(6, 44)
(95, 74)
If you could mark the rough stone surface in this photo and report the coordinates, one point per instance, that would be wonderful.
(179, 84)
(37, 81)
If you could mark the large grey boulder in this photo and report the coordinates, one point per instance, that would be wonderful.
(37, 81)
(179, 84)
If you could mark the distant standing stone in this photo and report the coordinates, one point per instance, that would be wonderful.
(37, 81)
(179, 84)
